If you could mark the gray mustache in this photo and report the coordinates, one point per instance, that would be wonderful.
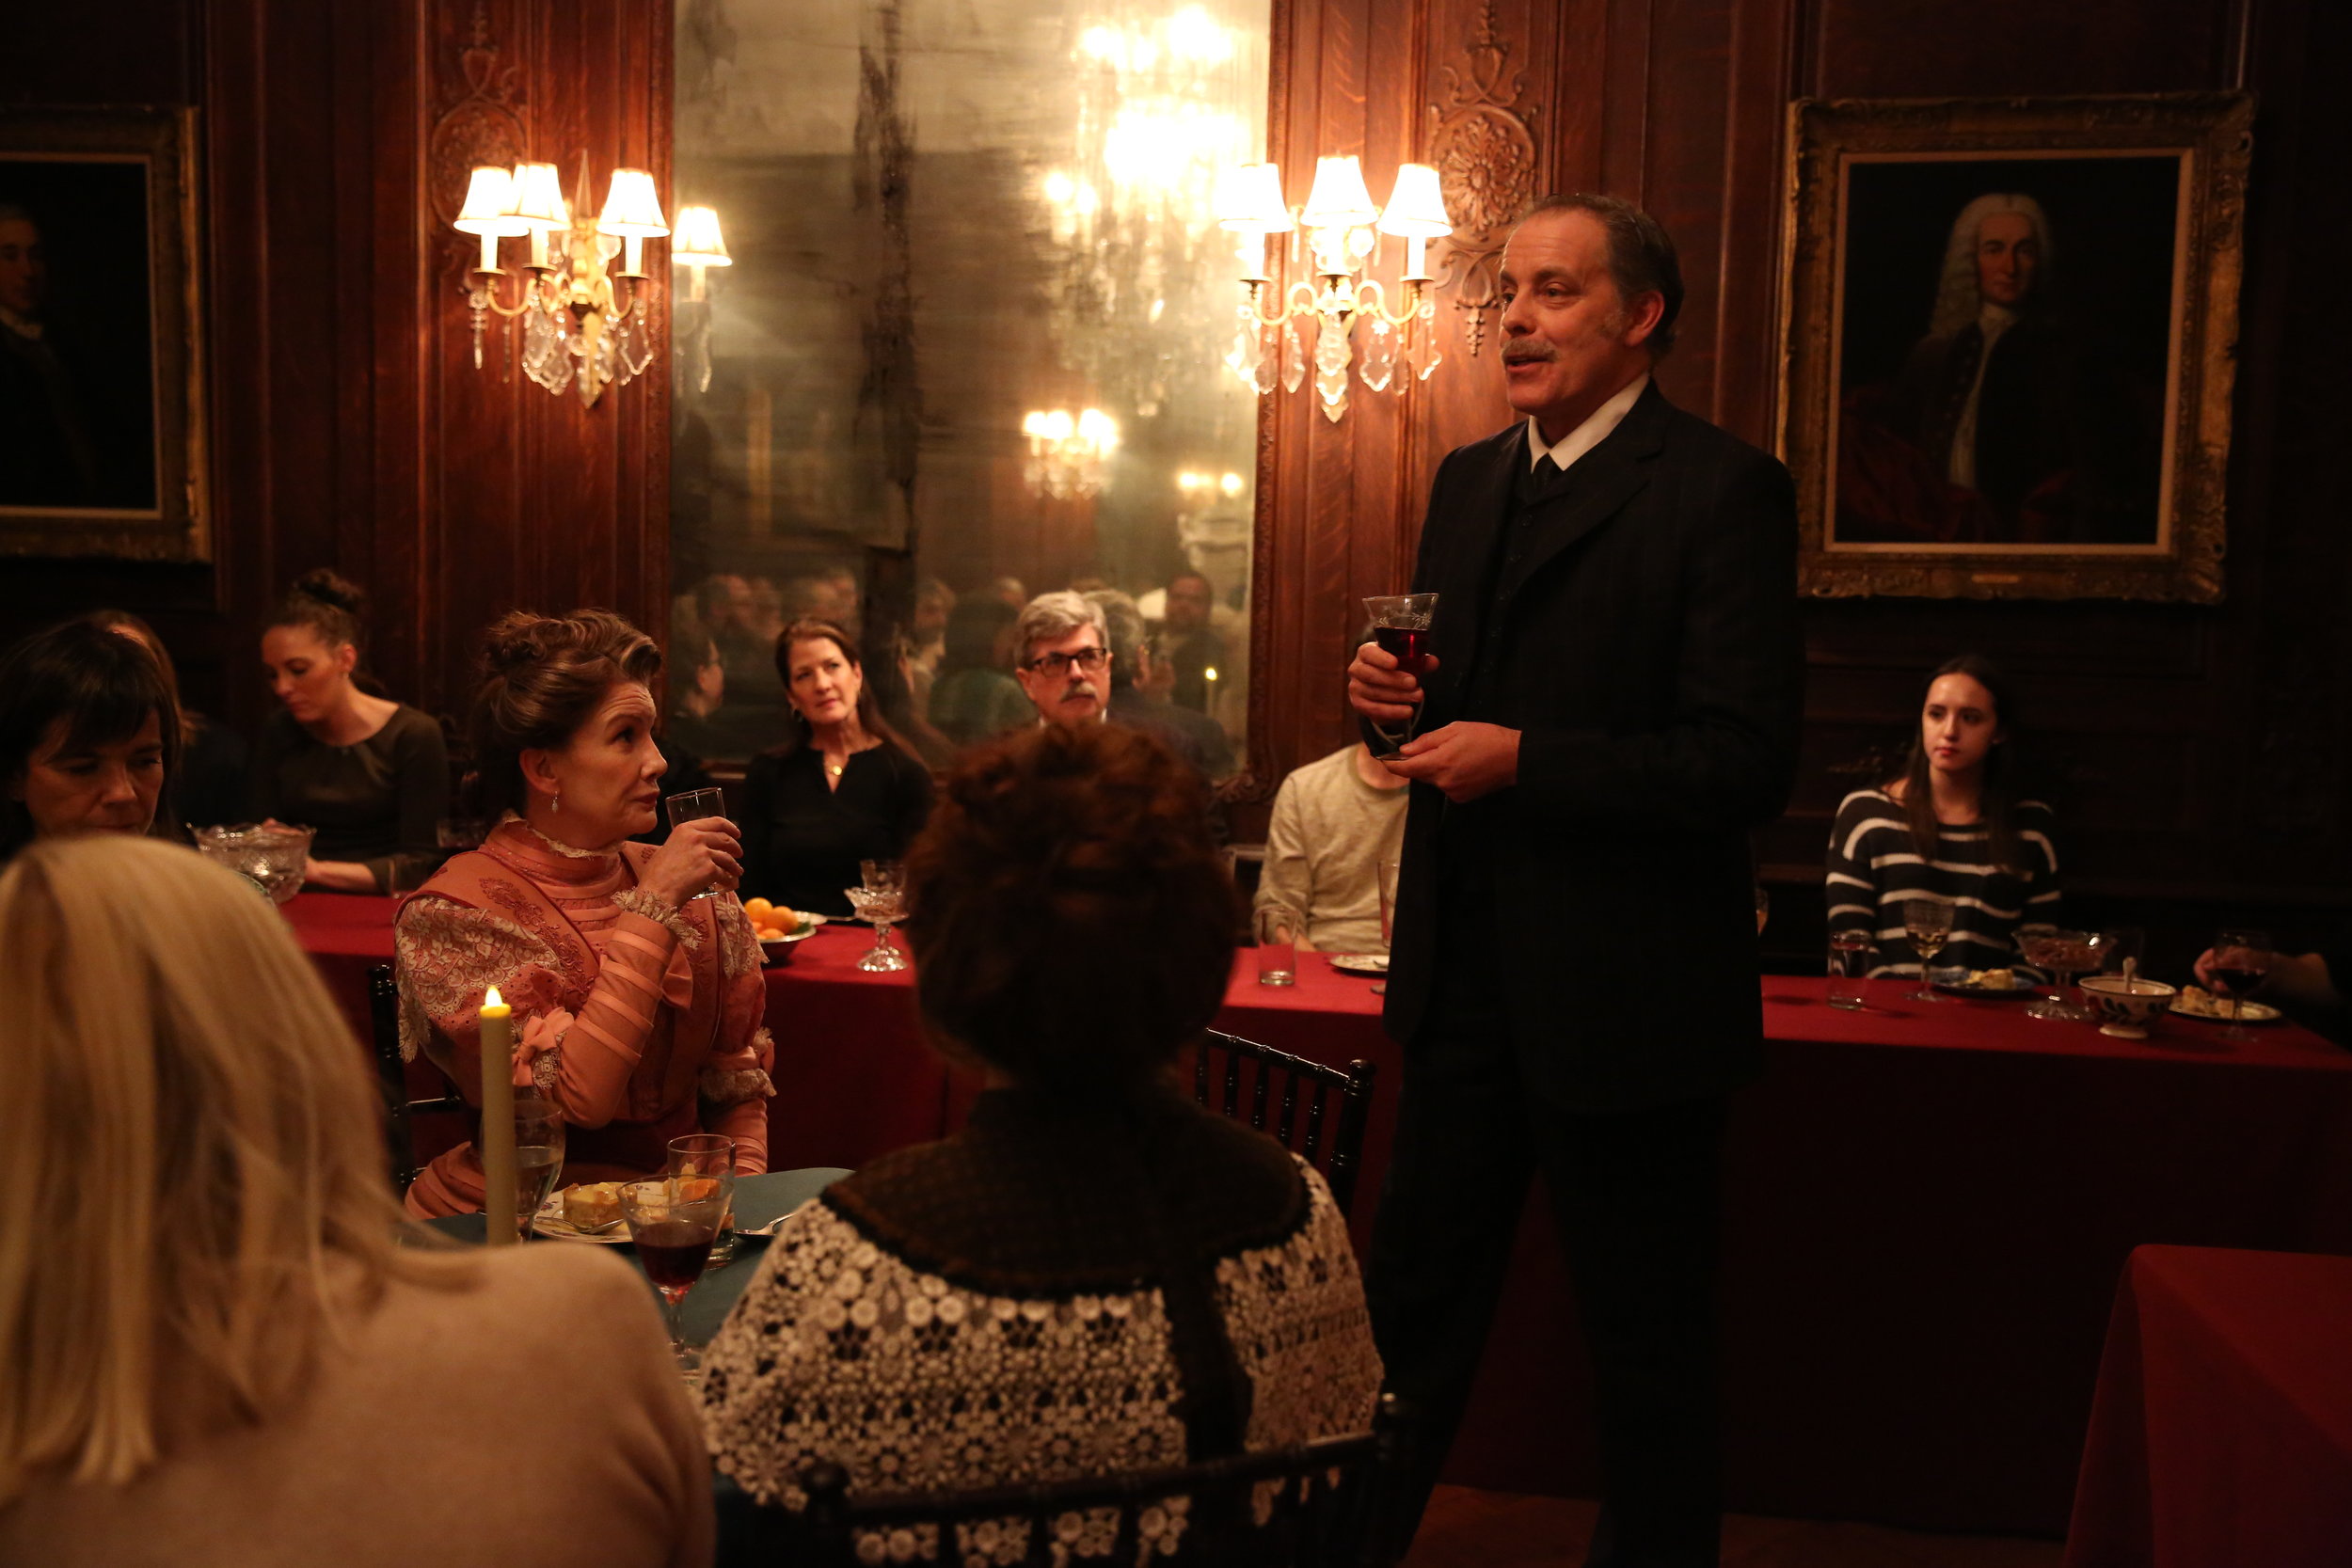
(1526, 355)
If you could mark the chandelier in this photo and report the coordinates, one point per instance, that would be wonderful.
(1343, 230)
(584, 324)
(1069, 455)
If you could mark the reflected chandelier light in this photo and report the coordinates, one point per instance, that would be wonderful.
(1342, 227)
(1069, 456)
(581, 327)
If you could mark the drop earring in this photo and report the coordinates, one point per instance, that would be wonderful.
(556, 805)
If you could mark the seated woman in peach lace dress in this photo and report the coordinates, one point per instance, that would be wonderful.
(637, 1006)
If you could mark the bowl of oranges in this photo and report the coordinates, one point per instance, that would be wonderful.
(778, 928)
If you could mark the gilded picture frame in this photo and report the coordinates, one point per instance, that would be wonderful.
(102, 360)
(2009, 330)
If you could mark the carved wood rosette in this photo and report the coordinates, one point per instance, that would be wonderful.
(1484, 147)
(481, 123)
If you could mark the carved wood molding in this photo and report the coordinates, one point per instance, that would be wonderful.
(1484, 147)
(481, 122)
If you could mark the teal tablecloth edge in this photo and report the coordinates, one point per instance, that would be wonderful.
(757, 1201)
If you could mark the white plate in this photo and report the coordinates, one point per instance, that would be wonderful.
(550, 1222)
(2256, 1012)
(1359, 964)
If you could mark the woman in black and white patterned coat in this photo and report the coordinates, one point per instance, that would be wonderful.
(1095, 1275)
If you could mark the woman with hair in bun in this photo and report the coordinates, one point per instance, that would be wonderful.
(1096, 1275)
(637, 1004)
(370, 775)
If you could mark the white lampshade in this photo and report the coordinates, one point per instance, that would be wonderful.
(1249, 199)
(696, 242)
(632, 209)
(1417, 206)
(539, 197)
(1097, 429)
(490, 205)
(1339, 200)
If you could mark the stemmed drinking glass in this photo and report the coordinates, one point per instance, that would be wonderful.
(708, 1154)
(2241, 958)
(1400, 624)
(693, 805)
(538, 1158)
(2064, 954)
(672, 1223)
(882, 901)
(1928, 923)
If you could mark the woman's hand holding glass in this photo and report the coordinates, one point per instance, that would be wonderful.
(704, 853)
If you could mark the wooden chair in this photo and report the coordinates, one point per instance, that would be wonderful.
(1324, 1515)
(1353, 1084)
(393, 1074)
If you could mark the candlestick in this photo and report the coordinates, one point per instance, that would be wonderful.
(498, 1118)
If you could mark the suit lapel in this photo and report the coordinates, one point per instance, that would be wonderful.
(1473, 521)
(1595, 489)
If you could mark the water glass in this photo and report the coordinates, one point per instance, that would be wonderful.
(1278, 945)
(882, 876)
(693, 805)
(538, 1158)
(1849, 952)
(708, 1154)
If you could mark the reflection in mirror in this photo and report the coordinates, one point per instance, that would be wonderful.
(970, 351)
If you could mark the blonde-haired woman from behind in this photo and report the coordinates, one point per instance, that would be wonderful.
(217, 1352)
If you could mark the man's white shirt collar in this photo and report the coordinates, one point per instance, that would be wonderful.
(1591, 432)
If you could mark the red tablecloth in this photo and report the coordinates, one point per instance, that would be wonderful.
(2223, 1434)
(1928, 1205)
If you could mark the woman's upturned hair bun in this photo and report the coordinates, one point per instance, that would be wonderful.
(331, 606)
(538, 679)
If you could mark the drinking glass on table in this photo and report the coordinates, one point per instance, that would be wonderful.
(693, 805)
(1276, 930)
(1850, 950)
(672, 1223)
(2241, 961)
(1763, 908)
(1385, 874)
(2064, 954)
(708, 1154)
(1400, 624)
(1928, 924)
(538, 1158)
(884, 875)
(880, 906)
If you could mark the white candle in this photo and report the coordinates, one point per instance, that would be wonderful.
(498, 1118)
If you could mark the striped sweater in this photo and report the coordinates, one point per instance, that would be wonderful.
(1874, 868)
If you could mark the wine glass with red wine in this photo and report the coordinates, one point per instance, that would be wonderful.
(1401, 625)
(2241, 961)
(672, 1223)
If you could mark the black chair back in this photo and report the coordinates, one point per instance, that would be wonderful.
(392, 1077)
(1313, 1506)
(1333, 1135)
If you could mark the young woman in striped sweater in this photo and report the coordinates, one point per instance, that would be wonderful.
(1951, 828)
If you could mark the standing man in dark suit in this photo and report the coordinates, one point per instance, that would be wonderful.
(1613, 703)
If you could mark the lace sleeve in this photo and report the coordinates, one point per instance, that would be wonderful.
(447, 956)
(1297, 1318)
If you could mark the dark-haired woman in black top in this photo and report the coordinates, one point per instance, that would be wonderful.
(841, 789)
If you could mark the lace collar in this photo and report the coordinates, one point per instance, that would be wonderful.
(550, 859)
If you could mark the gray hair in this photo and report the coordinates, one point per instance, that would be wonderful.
(1123, 631)
(1051, 617)
(1957, 300)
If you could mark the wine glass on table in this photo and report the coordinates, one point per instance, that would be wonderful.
(1928, 924)
(880, 906)
(538, 1158)
(2241, 961)
(1401, 625)
(672, 1223)
(708, 1154)
(693, 805)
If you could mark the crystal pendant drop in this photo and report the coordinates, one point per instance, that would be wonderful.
(1376, 365)
(1269, 363)
(1331, 355)
(1425, 356)
(1248, 350)
(1293, 356)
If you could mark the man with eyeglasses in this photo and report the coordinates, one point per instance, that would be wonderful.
(1065, 659)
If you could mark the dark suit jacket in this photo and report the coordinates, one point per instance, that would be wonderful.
(1644, 642)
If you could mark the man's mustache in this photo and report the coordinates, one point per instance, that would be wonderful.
(1078, 688)
(1524, 354)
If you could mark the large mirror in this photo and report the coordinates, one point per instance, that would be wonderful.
(971, 348)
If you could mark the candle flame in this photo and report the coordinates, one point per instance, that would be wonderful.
(1209, 673)
(492, 999)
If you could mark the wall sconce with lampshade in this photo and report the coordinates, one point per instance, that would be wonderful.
(1341, 228)
(585, 323)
